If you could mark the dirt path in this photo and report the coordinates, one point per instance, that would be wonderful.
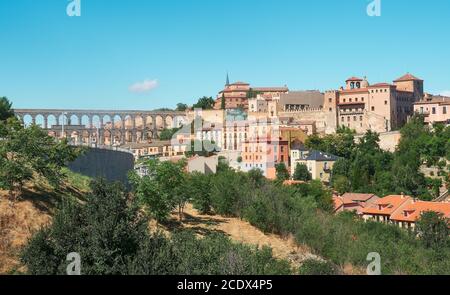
(243, 232)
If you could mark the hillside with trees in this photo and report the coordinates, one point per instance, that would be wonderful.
(364, 167)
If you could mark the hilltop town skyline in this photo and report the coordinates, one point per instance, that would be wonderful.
(152, 54)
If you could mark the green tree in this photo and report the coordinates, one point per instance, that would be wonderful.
(204, 148)
(227, 190)
(201, 192)
(6, 110)
(25, 152)
(281, 172)
(163, 189)
(111, 236)
(301, 173)
(204, 103)
(256, 177)
(433, 229)
(181, 107)
(341, 184)
(317, 267)
(105, 232)
(341, 144)
(167, 134)
(223, 102)
(316, 190)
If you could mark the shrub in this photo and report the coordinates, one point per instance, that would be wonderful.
(111, 236)
(316, 267)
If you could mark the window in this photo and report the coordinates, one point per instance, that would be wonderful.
(342, 119)
(344, 100)
(330, 100)
(348, 119)
(433, 111)
(356, 99)
(385, 102)
(362, 98)
(373, 109)
(360, 118)
(354, 118)
(444, 110)
(331, 109)
(350, 100)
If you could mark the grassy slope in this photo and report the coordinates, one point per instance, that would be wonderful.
(34, 209)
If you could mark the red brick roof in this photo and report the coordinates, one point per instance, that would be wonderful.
(407, 77)
(271, 89)
(387, 205)
(239, 83)
(354, 197)
(353, 79)
(412, 211)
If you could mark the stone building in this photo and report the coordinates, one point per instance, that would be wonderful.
(436, 109)
(236, 94)
(380, 107)
(361, 106)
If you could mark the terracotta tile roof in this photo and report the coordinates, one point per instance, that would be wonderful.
(435, 99)
(387, 205)
(353, 79)
(354, 197)
(271, 89)
(412, 211)
(338, 202)
(355, 90)
(407, 77)
(239, 83)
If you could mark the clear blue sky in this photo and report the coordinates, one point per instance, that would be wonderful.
(50, 60)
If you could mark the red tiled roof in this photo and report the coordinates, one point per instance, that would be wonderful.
(239, 83)
(355, 90)
(338, 202)
(353, 79)
(412, 211)
(270, 89)
(354, 197)
(387, 205)
(407, 77)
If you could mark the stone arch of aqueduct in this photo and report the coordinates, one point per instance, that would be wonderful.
(104, 127)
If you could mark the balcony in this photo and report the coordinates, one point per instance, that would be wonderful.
(351, 112)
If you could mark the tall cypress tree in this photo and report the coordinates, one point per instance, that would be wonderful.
(223, 101)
